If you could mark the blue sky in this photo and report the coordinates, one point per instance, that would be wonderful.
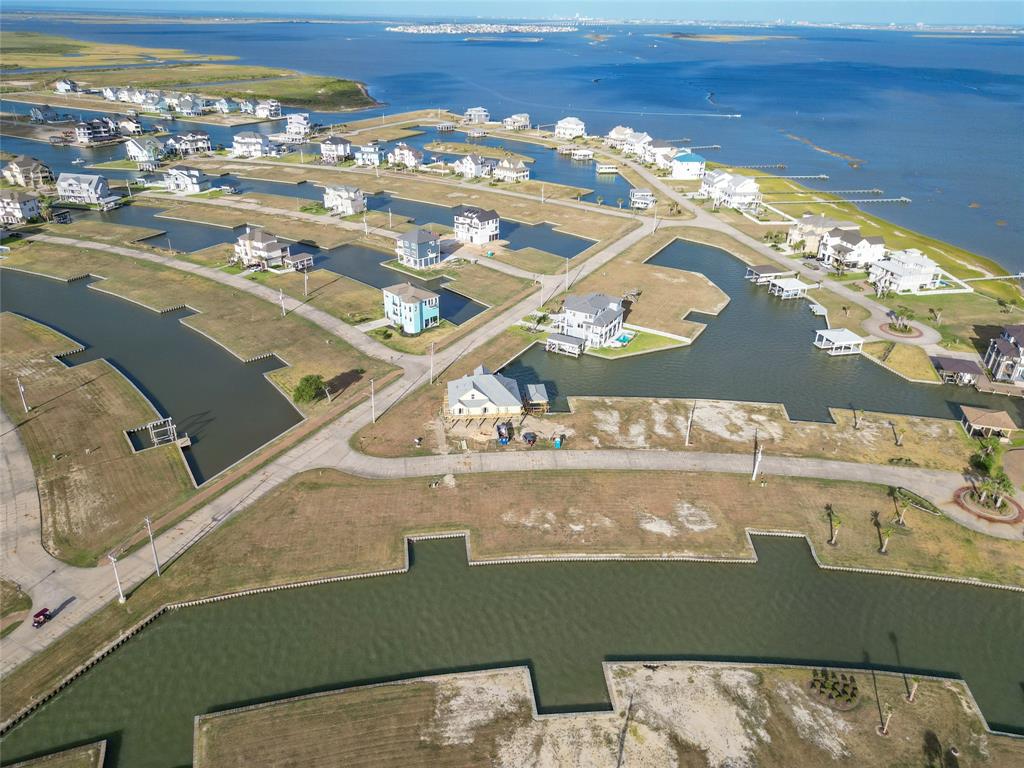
(865, 11)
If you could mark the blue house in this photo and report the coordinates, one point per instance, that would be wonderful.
(418, 248)
(411, 309)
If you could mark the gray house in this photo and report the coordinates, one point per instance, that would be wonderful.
(418, 248)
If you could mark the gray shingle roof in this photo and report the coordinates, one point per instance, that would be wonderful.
(500, 390)
(418, 235)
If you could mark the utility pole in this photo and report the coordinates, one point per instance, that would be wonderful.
(758, 450)
(120, 592)
(689, 422)
(366, 227)
(566, 275)
(542, 193)
(280, 298)
(431, 362)
(373, 404)
(305, 283)
(327, 393)
(152, 544)
(389, 218)
(21, 390)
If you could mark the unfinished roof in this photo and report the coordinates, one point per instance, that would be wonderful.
(988, 419)
(410, 294)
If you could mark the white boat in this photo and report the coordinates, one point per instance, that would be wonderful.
(78, 161)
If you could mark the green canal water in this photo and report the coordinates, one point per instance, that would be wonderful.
(563, 619)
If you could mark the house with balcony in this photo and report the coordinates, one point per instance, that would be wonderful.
(592, 319)
(906, 272)
(687, 166)
(617, 136)
(473, 166)
(190, 143)
(1004, 358)
(25, 171)
(247, 106)
(65, 86)
(268, 109)
(147, 151)
(844, 249)
(810, 228)
(641, 199)
(344, 200)
(570, 128)
(635, 144)
(334, 150)
(86, 189)
(410, 309)
(476, 226)
(225, 106)
(251, 144)
(406, 156)
(483, 394)
(129, 126)
(18, 207)
(370, 155)
(730, 190)
(475, 115)
(517, 122)
(258, 249)
(186, 180)
(96, 131)
(418, 248)
(298, 127)
(511, 170)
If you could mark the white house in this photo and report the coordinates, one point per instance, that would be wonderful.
(88, 188)
(403, 154)
(808, 230)
(617, 136)
(517, 122)
(129, 126)
(483, 394)
(634, 144)
(251, 144)
(17, 207)
(270, 109)
(687, 166)
(511, 170)
(24, 171)
(849, 249)
(476, 115)
(247, 106)
(225, 106)
(258, 248)
(190, 143)
(418, 248)
(473, 167)
(190, 106)
(370, 155)
(109, 93)
(334, 150)
(476, 226)
(730, 190)
(345, 200)
(186, 179)
(660, 155)
(144, 150)
(908, 271)
(594, 318)
(298, 126)
(1004, 357)
(66, 86)
(95, 131)
(570, 128)
(642, 199)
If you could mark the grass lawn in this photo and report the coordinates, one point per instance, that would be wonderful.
(678, 710)
(117, 165)
(14, 607)
(85, 756)
(643, 342)
(465, 148)
(905, 359)
(92, 489)
(967, 321)
(32, 50)
(299, 90)
(325, 235)
(102, 232)
(346, 299)
(532, 260)
(488, 286)
(418, 344)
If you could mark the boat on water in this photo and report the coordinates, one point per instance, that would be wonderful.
(78, 161)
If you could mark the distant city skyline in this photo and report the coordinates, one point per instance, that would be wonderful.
(964, 12)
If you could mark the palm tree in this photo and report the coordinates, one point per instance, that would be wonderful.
(834, 521)
(620, 201)
(903, 317)
(884, 534)
(846, 311)
(984, 488)
(936, 313)
(600, 200)
(1002, 486)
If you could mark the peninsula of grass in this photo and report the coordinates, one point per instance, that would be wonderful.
(907, 360)
(465, 148)
(34, 50)
(85, 756)
(283, 537)
(642, 343)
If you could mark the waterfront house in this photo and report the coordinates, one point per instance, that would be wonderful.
(473, 166)
(418, 248)
(43, 113)
(268, 109)
(617, 136)
(594, 319)
(404, 155)
(658, 155)
(908, 271)
(985, 422)
(190, 143)
(86, 188)
(64, 85)
(511, 170)
(410, 309)
(259, 249)
(109, 92)
(344, 200)
(95, 131)
(145, 150)
(247, 106)
(957, 370)
(687, 166)
(476, 115)
(517, 122)
(125, 95)
(476, 226)
(225, 106)
(570, 128)
(154, 102)
(185, 179)
(730, 190)
(129, 126)
(190, 106)
(1004, 357)
(334, 150)
(370, 155)
(137, 96)
(483, 394)
(839, 341)
(17, 207)
(251, 144)
(298, 126)
(24, 171)
(808, 230)
(635, 143)
(642, 199)
(849, 249)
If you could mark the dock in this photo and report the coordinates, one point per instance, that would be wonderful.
(839, 341)
(564, 345)
(607, 168)
(789, 288)
(759, 274)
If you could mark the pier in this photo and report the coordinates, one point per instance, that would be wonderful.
(820, 176)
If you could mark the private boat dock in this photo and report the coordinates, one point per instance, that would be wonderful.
(760, 274)
(607, 168)
(789, 288)
(839, 341)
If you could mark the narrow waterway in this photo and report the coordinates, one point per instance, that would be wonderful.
(228, 408)
(563, 619)
(757, 349)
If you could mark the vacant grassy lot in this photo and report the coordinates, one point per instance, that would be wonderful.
(905, 359)
(680, 712)
(176, 76)
(967, 321)
(346, 299)
(667, 295)
(92, 489)
(282, 538)
(465, 148)
(32, 50)
(299, 90)
(105, 232)
(324, 234)
(488, 286)
(86, 756)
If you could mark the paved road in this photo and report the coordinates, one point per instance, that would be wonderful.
(50, 581)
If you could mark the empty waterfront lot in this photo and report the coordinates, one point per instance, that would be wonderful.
(93, 490)
(679, 713)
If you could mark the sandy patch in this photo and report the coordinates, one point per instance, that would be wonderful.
(465, 703)
(657, 525)
(608, 422)
(814, 721)
(738, 423)
(694, 518)
(660, 418)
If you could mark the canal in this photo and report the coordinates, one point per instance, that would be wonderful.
(228, 408)
(563, 619)
(757, 349)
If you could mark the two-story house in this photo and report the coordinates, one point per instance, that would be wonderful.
(85, 188)
(186, 179)
(25, 171)
(410, 309)
(476, 226)
(483, 394)
(345, 200)
(17, 207)
(594, 318)
(334, 150)
(260, 249)
(1004, 357)
(418, 248)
